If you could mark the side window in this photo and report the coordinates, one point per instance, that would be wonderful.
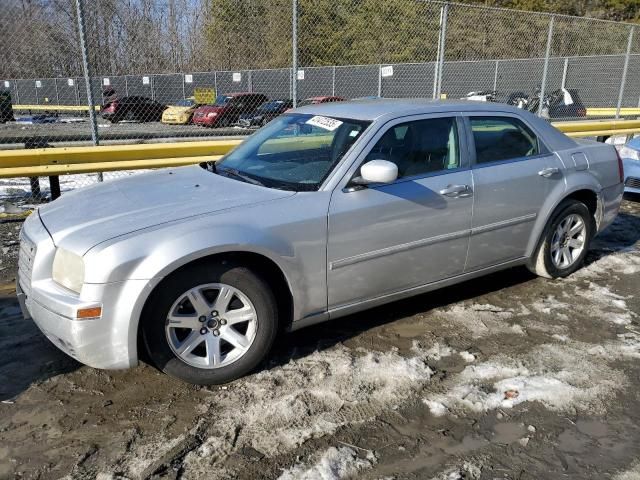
(502, 138)
(420, 147)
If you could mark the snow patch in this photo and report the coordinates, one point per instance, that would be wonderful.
(467, 471)
(334, 464)
(561, 377)
(308, 397)
(482, 319)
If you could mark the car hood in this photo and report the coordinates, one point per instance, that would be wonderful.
(83, 218)
(175, 110)
(210, 108)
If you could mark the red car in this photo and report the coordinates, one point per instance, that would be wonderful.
(227, 109)
(315, 100)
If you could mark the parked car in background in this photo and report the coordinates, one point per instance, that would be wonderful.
(265, 113)
(227, 109)
(181, 113)
(560, 103)
(321, 99)
(326, 211)
(141, 109)
(6, 107)
(630, 154)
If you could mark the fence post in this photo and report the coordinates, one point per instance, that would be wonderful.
(495, 76)
(437, 74)
(564, 72)
(333, 82)
(545, 70)
(55, 84)
(294, 52)
(87, 76)
(624, 72)
(379, 80)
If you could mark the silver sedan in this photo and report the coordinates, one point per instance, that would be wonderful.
(328, 210)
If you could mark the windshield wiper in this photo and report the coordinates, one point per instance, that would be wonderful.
(232, 172)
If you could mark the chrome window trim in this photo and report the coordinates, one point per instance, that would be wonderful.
(543, 149)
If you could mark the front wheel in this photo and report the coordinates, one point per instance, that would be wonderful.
(210, 324)
(565, 241)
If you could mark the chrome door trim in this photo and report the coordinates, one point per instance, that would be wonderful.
(504, 223)
(383, 252)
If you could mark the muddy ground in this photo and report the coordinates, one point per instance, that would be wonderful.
(509, 376)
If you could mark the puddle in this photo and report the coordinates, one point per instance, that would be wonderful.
(468, 444)
(592, 428)
(509, 432)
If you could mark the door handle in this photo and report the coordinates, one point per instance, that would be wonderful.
(456, 191)
(547, 172)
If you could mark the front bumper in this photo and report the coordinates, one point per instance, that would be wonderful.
(632, 175)
(106, 342)
(103, 342)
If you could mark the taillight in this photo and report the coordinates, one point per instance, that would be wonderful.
(620, 166)
(110, 108)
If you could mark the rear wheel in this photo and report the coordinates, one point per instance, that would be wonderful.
(210, 324)
(565, 241)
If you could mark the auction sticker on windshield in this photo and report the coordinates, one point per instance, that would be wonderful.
(324, 122)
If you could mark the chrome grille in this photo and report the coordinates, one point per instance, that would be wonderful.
(632, 182)
(25, 262)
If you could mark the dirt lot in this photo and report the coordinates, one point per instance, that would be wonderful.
(510, 376)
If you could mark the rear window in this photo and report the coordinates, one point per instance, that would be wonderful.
(502, 138)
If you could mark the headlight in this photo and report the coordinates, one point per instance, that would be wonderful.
(68, 270)
(626, 152)
(212, 114)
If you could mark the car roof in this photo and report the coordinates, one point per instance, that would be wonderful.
(238, 94)
(371, 109)
(389, 108)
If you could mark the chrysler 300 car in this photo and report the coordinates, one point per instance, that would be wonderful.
(328, 210)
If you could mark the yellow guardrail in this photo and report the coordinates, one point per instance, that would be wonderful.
(611, 112)
(61, 108)
(38, 162)
(598, 128)
(70, 160)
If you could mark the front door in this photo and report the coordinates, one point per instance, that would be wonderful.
(387, 238)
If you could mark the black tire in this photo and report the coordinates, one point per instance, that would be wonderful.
(155, 315)
(541, 263)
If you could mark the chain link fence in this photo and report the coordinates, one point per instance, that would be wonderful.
(182, 70)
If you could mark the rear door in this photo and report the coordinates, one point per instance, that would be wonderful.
(513, 173)
(391, 237)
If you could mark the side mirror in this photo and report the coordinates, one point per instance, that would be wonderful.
(377, 171)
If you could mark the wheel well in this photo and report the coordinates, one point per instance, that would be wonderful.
(260, 264)
(590, 199)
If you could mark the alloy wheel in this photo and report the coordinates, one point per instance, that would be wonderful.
(211, 326)
(568, 241)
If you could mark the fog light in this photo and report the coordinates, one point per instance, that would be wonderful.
(93, 312)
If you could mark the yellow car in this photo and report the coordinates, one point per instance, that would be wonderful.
(181, 112)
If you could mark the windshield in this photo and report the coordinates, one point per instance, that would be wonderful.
(293, 152)
(185, 103)
(270, 106)
(222, 100)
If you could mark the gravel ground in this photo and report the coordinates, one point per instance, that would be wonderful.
(509, 376)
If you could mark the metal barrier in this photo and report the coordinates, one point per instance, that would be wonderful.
(72, 160)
